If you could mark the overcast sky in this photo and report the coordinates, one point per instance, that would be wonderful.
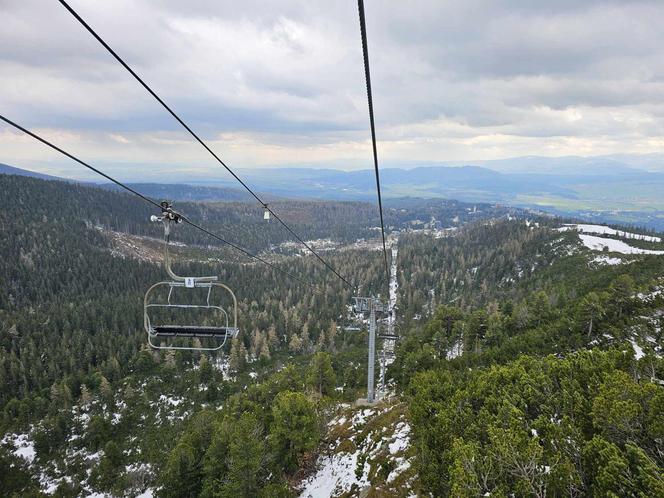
(280, 82)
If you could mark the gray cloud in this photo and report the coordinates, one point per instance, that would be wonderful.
(282, 82)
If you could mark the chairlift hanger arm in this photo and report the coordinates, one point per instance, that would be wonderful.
(169, 216)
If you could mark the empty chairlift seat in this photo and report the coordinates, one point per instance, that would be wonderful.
(188, 307)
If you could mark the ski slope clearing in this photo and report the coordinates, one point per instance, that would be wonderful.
(599, 243)
(604, 230)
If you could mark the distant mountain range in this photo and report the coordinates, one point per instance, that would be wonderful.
(179, 192)
(6, 169)
(572, 165)
(610, 187)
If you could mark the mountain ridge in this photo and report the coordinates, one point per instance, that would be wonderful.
(603, 189)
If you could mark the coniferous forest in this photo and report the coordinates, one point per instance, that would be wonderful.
(526, 366)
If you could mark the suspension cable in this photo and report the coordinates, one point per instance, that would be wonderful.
(197, 138)
(152, 202)
(367, 76)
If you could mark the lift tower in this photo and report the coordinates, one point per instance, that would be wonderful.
(370, 305)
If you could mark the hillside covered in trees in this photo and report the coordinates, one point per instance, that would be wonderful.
(528, 366)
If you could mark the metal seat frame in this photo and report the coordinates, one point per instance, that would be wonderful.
(222, 333)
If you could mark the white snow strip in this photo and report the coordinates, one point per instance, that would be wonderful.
(339, 421)
(599, 243)
(638, 350)
(604, 230)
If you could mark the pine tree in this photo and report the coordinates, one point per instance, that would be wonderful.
(236, 459)
(621, 293)
(86, 396)
(106, 473)
(238, 355)
(295, 427)
(264, 352)
(181, 475)
(322, 343)
(254, 347)
(332, 336)
(295, 344)
(205, 370)
(273, 337)
(591, 311)
(321, 376)
(169, 359)
(304, 337)
(540, 308)
(105, 389)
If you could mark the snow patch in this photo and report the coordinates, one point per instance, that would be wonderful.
(638, 350)
(222, 365)
(598, 244)
(361, 417)
(337, 421)
(650, 296)
(456, 350)
(170, 400)
(607, 260)
(335, 476)
(604, 230)
(345, 469)
(24, 447)
(401, 468)
(401, 438)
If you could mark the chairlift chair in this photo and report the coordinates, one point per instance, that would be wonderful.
(215, 330)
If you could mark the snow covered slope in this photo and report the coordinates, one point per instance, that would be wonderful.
(599, 243)
(604, 230)
(596, 242)
(367, 448)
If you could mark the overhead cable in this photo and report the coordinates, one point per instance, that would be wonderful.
(367, 76)
(198, 139)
